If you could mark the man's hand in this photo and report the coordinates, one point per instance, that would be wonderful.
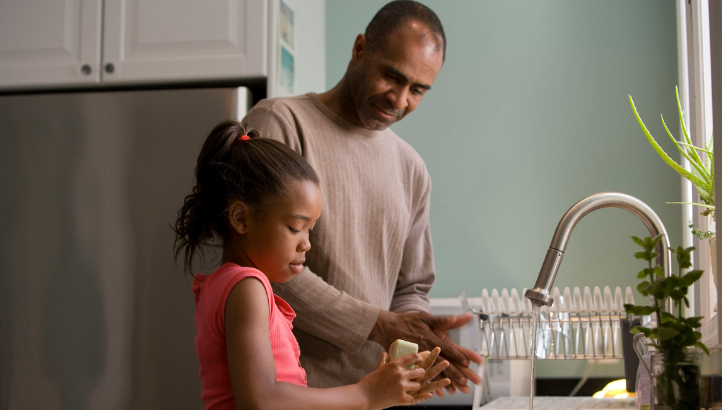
(428, 332)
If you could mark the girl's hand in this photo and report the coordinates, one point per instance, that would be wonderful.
(427, 383)
(391, 384)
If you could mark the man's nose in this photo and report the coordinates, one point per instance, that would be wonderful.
(398, 97)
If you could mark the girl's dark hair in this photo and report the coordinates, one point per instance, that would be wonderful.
(255, 171)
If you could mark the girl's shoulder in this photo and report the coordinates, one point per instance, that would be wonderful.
(218, 285)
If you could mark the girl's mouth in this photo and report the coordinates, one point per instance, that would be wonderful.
(296, 267)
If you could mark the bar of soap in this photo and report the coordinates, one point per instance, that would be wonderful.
(402, 348)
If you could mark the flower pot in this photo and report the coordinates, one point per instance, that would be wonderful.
(676, 380)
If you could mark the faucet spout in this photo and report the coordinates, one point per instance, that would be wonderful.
(541, 294)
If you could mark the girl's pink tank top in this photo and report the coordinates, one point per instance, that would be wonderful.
(211, 293)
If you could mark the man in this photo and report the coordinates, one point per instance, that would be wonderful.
(370, 269)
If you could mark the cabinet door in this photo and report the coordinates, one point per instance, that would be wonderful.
(49, 42)
(171, 40)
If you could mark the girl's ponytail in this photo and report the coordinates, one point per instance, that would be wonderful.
(232, 168)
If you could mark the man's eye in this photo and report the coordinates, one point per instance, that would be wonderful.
(293, 230)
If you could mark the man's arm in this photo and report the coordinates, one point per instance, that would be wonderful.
(416, 276)
(349, 322)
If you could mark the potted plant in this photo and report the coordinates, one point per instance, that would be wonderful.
(701, 174)
(676, 364)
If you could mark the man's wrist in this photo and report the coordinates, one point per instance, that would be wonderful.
(378, 332)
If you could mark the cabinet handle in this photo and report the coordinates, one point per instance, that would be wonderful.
(109, 68)
(85, 69)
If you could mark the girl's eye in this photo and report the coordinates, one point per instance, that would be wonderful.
(293, 230)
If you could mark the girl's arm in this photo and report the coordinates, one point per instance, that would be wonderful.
(253, 370)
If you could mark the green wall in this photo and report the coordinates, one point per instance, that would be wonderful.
(528, 115)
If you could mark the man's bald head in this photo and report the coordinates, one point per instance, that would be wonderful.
(399, 12)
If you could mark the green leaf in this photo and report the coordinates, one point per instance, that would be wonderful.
(642, 274)
(681, 122)
(643, 255)
(666, 333)
(691, 277)
(692, 203)
(703, 347)
(666, 158)
(642, 288)
(691, 156)
(638, 241)
(647, 331)
(668, 318)
(640, 310)
(705, 150)
(658, 271)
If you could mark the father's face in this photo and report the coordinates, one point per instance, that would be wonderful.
(389, 83)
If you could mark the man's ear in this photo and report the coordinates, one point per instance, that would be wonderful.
(359, 48)
(238, 217)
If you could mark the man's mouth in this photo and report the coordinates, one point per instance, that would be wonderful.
(385, 114)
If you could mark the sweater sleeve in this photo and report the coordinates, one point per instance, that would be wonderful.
(347, 321)
(417, 272)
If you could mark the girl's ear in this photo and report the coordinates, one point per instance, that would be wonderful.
(238, 216)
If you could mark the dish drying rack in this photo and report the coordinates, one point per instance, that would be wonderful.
(580, 325)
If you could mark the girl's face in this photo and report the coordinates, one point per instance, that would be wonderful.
(277, 242)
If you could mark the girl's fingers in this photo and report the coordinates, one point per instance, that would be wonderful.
(437, 385)
(430, 358)
(412, 386)
(408, 359)
(418, 398)
(434, 371)
(384, 359)
(417, 373)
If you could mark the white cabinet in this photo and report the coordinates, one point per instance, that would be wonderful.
(170, 40)
(72, 42)
(49, 42)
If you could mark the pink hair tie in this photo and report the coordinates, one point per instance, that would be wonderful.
(244, 138)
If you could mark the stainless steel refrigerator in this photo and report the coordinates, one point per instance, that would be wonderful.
(94, 312)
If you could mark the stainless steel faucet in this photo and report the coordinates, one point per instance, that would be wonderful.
(541, 294)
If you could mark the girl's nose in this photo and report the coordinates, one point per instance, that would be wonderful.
(305, 245)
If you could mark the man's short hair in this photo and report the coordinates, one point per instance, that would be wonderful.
(399, 12)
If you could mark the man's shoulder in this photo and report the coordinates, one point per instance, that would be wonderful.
(288, 104)
(408, 156)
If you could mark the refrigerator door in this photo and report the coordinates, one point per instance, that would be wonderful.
(94, 312)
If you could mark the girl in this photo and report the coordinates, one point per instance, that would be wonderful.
(259, 200)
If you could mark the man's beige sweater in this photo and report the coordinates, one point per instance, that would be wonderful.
(371, 247)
